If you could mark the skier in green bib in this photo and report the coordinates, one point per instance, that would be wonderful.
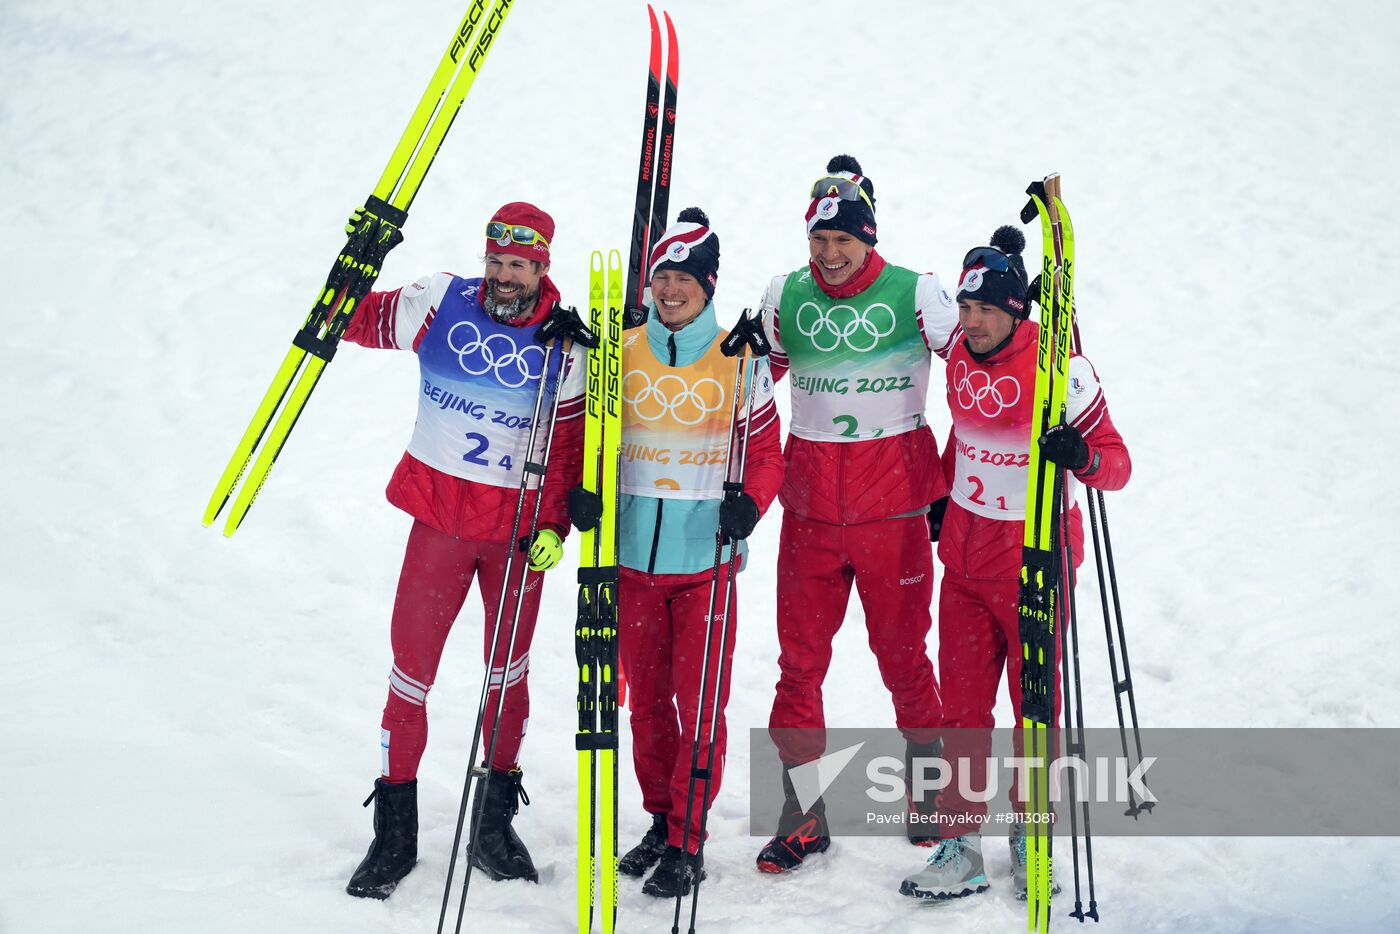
(856, 336)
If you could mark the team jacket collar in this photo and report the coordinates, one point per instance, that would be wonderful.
(691, 341)
(868, 273)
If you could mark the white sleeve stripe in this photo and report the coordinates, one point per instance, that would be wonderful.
(386, 333)
(952, 340)
(1084, 429)
(768, 311)
(937, 313)
(1088, 419)
(765, 411)
(761, 422)
(415, 305)
(762, 417)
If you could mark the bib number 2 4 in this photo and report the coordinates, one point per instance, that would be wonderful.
(480, 445)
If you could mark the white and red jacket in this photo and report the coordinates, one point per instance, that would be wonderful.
(461, 472)
(988, 451)
(894, 473)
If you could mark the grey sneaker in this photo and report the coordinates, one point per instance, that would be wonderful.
(953, 871)
(1017, 841)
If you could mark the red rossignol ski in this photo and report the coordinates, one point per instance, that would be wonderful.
(654, 170)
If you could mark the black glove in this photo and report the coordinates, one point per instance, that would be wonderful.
(935, 518)
(738, 514)
(585, 508)
(1064, 445)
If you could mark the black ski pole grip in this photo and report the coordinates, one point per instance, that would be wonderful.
(1035, 190)
(564, 323)
(1028, 213)
(748, 332)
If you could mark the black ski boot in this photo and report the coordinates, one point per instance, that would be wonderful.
(498, 851)
(921, 826)
(395, 846)
(645, 854)
(800, 833)
(674, 875)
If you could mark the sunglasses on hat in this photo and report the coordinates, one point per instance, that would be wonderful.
(988, 256)
(840, 187)
(507, 233)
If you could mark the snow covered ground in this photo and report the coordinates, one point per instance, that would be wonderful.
(191, 722)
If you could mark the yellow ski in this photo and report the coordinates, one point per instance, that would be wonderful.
(377, 231)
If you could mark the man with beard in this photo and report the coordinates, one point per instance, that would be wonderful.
(480, 369)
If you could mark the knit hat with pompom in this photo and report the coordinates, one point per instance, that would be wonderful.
(996, 274)
(844, 200)
(690, 246)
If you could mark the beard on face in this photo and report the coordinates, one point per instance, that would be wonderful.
(507, 311)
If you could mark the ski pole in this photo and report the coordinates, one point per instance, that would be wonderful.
(1123, 686)
(1074, 719)
(747, 338)
(563, 325)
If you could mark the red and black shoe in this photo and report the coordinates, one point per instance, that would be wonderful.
(800, 833)
(785, 852)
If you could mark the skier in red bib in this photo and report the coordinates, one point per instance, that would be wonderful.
(856, 336)
(480, 368)
(991, 392)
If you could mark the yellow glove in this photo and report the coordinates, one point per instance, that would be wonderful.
(546, 550)
(357, 217)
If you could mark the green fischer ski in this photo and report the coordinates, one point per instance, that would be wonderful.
(1039, 606)
(595, 635)
(376, 232)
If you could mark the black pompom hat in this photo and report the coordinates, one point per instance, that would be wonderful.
(843, 199)
(996, 274)
(690, 246)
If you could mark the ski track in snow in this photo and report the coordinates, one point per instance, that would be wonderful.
(192, 721)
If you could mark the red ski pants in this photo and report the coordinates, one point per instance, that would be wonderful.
(436, 577)
(890, 561)
(661, 642)
(978, 636)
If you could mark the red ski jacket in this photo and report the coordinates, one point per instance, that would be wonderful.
(457, 506)
(849, 482)
(986, 457)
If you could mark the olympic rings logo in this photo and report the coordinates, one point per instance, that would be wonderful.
(686, 403)
(495, 354)
(829, 328)
(975, 389)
